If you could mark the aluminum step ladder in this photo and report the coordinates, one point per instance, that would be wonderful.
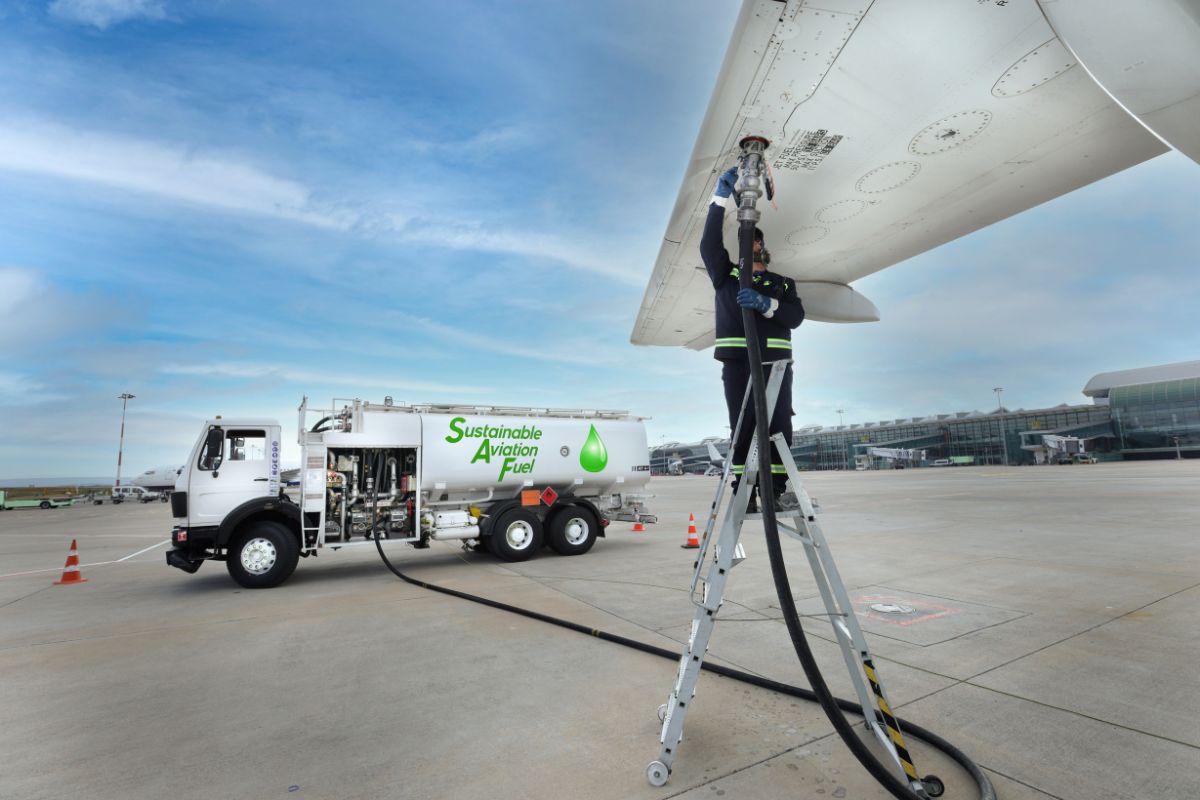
(708, 591)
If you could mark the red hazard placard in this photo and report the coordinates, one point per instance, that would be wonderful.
(549, 496)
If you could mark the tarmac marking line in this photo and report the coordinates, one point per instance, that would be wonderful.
(54, 569)
(143, 550)
(93, 564)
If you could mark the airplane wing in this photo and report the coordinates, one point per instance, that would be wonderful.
(896, 126)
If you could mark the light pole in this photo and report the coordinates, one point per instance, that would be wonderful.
(125, 397)
(1000, 420)
(841, 422)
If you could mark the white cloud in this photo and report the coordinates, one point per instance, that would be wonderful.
(35, 313)
(167, 170)
(574, 253)
(222, 182)
(103, 13)
(310, 378)
(577, 352)
(19, 389)
(18, 287)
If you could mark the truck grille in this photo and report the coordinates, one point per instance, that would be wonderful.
(178, 504)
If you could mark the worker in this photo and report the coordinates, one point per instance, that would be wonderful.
(779, 311)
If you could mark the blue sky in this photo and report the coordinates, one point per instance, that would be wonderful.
(222, 206)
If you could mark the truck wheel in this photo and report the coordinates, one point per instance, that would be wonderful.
(572, 530)
(263, 556)
(516, 535)
(44, 504)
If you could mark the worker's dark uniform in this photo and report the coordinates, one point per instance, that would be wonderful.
(775, 335)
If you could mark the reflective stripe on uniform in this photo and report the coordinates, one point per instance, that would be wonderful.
(731, 341)
(738, 469)
(779, 344)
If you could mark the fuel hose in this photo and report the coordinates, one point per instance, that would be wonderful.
(751, 168)
(985, 787)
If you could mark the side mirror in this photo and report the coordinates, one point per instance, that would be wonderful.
(211, 457)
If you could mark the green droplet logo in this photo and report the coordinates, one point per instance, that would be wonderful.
(594, 455)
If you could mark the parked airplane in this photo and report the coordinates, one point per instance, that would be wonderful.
(716, 461)
(899, 125)
(161, 479)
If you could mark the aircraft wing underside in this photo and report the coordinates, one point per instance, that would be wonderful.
(896, 126)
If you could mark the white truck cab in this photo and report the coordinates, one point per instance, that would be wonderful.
(505, 479)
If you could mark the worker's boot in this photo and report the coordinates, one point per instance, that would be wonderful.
(786, 501)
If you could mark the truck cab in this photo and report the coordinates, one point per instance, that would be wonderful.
(227, 497)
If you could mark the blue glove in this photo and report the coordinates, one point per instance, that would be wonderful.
(748, 298)
(726, 182)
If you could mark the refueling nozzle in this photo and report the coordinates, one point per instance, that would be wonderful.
(752, 177)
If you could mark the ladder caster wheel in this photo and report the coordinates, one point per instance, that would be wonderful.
(933, 785)
(657, 773)
(662, 714)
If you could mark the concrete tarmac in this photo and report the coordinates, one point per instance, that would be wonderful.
(1052, 635)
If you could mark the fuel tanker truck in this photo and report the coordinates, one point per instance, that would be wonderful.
(508, 480)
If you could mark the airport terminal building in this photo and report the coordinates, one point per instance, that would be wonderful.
(1151, 412)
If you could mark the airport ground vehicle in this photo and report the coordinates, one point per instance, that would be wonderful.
(8, 503)
(122, 493)
(507, 479)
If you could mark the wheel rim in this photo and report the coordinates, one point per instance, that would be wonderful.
(519, 535)
(576, 531)
(258, 556)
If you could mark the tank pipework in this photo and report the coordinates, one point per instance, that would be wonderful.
(394, 494)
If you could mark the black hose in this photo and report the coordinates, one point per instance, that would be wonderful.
(317, 428)
(881, 773)
(985, 787)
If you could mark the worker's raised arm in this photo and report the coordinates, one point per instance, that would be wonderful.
(712, 243)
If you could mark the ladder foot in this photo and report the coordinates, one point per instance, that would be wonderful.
(657, 773)
(662, 713)
(933, 785)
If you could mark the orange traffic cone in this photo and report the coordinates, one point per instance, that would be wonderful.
(638, 527)
(71, 570)
(693, 541)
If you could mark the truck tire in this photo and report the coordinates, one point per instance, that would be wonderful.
(572, 530)
(263, 555)
(44, 504)
(516, 535)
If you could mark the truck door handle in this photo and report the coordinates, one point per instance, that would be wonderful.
(261, 479)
